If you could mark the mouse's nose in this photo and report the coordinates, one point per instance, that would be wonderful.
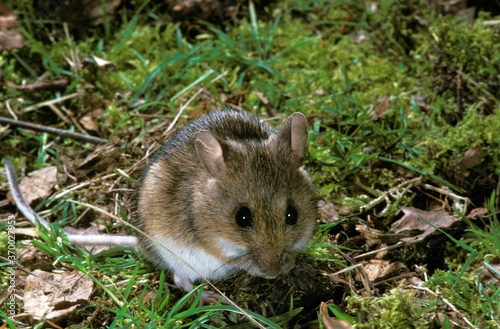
(270, 273)
(272, 264)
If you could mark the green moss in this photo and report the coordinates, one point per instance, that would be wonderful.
(3, 243)
(468, 47)
(447, 140)
(393, 310)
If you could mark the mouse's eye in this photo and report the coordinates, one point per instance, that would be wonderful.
(244, 217)
(291, 215)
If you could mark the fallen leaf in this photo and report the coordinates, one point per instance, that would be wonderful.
(468, 14)
(319, 91)
(371, 235)
(330, 322)
(53, 296)
(471, 158)
(236, 98)
(10, 37)
(420, 221)
(361, 37)
(200, 109)
(12, 40)
(476, 213)
(8, 19)
(88, 123)
(380, 109)
(39, 183)
(102, 63)
(378, 269)
(327, 211)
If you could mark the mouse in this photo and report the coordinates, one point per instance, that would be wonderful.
(225, 194)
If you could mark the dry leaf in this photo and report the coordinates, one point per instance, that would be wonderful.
(89, 123)
(200, 8)
(377, 269)
(369, 234)
(39, 183)
(477, 213)
(412, 221)
(319, 91)
(468, 14)
(102, 63)
(327, 211)
(471, 158)
(54, 296)
(10, 37)
(8, 18)
(332, 323)
(380, 109)
(9, 41)
(236, 98)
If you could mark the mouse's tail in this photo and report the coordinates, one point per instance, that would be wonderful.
(21, 203)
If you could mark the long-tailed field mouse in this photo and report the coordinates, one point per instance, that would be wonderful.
(225, 194)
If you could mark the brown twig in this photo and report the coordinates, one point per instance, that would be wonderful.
(51, 101)
(54, 131)
(56, 84)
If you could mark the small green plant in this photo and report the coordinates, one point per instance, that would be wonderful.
(396, 309)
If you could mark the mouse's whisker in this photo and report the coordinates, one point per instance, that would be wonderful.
(236, 263)
(245, 262)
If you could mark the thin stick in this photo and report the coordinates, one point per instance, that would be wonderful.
(54, 131)
(59, 113)
(61, 83)
(52, 101)
(397, 245)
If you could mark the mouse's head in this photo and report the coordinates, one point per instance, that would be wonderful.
(259, 203)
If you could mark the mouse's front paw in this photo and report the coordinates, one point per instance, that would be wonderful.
(211, 297)
(207, 297)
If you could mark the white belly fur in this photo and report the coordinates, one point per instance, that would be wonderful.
(189, 262)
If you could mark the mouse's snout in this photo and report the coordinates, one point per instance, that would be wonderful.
(270, 263)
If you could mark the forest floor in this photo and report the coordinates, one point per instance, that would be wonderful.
(402, 102)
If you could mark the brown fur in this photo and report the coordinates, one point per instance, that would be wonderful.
(180, 199)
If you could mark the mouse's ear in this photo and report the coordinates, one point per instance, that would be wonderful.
(295, 133)
(209, 152)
